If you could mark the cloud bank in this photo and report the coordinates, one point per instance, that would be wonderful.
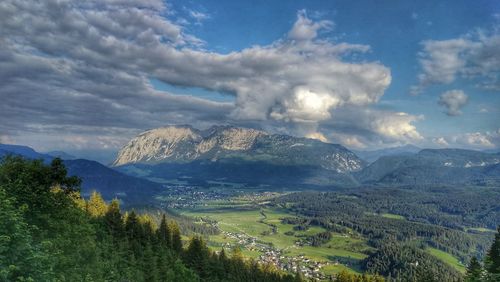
(475, 140)
(78, 70)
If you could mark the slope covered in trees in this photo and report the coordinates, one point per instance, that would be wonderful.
(489, 271)
(402, 245)
(49, 233)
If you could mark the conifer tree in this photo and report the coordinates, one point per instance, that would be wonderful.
(163, 233)
(96, 206)
(474, 271)
(132, 226)
(492, 260)
(149, 265)
(176, 238)
(113, 220)
(133, 229)
(58, 176)
(196, 256)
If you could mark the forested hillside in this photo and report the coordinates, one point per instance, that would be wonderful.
(405, 246)
(49, 233)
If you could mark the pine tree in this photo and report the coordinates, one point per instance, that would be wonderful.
(163, 233)
(113, 220)
(133, 229)
(176, 238)
(492, 260)
(474, 271)
(149, 265)
(132, 226)
(58, 176)
(196, 256)
(148, 233)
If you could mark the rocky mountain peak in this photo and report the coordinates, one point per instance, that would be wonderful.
(186, 144)
(158, 144)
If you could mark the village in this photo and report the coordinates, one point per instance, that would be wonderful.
(189, 196)
(277, 257)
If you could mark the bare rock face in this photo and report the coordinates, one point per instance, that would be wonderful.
(156, 145)
(185, 144)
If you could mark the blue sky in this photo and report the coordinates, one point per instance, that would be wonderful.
(365, 74)
(393, 29)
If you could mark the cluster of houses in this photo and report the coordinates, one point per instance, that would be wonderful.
(186, 196)
(309, 268)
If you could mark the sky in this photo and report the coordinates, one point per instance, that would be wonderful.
(87, 76)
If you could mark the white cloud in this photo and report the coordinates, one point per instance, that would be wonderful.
(440, 141)
(453, 101)
(306, 29)
(474, 57)
(352, 142)
(477, 139)
(397, 126)
(441, 60)
(471, 140)
(360, 127)
(198, 16)
(94, 60)
(306, 105)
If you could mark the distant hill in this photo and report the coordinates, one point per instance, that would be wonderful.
(62, 155)
(25, 151)
(95, 176)
(371, 156)
(111, 183)
(433, 166)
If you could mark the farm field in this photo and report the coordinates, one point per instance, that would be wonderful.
(340, 252)
(449, 259)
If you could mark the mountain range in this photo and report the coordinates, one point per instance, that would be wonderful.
(182, 144)
(226, 154)
(434, 166)
(237, 154)
(233, 154)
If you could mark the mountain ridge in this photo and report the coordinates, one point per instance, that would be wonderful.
(372, 155)
(431, 166)
(186, 144)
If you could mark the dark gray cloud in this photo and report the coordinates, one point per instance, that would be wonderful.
(79, 72)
